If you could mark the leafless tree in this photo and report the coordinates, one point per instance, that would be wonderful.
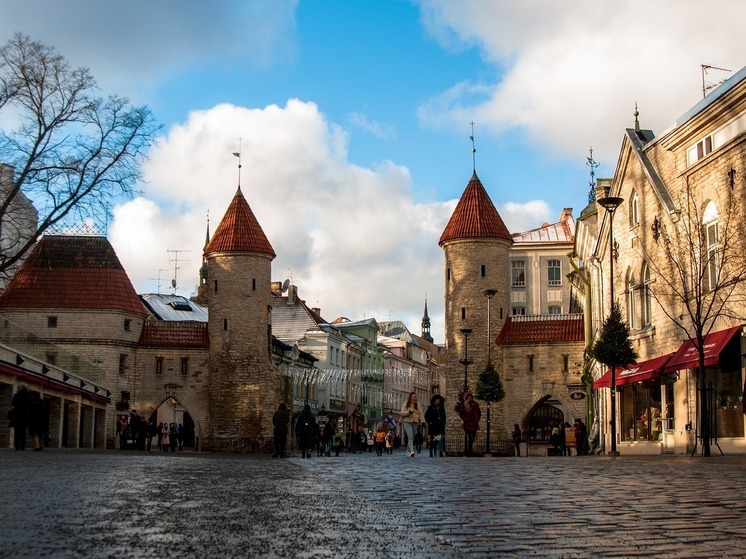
(699, 272)
(68, 151)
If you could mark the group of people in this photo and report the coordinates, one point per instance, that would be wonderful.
(28, 414)
(141, 432)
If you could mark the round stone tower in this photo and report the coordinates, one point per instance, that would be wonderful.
(476, 245)
(237, 282)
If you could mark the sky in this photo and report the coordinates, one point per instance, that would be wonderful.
(353, 119)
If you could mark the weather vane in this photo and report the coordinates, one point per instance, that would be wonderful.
(238, 154)
(473, 148)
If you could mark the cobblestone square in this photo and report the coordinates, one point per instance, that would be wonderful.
(70, 504)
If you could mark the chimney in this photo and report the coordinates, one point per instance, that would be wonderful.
(316, 310)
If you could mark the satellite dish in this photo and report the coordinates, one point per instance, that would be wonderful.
(285, 285)
(173, 283)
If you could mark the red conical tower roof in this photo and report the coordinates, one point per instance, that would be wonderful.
(239, 231)
(475, 216)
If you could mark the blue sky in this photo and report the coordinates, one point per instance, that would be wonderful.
(354, 117)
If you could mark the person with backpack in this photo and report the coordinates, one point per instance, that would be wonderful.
(305, 431)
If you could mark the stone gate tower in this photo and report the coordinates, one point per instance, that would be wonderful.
(476, 245)
(237, 278)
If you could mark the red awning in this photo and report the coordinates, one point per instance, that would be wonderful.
(639, 372)
(686, 356)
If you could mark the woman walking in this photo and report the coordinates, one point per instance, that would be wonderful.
(435, 416)
(411, 417)
(470, 415)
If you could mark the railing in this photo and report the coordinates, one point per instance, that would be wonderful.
(500, 446)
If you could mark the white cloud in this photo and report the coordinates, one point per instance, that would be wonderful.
(377, 129)
(357, 242)
(571, 72)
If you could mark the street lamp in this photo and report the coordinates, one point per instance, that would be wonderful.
(489, 293)
(466, 361)
(610, 204)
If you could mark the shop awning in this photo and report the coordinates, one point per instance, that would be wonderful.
(686, 356)
(639, 372)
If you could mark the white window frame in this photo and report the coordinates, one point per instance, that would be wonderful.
(710, 225)
(630, 296)
(634, 215)
(550, 267)
(520, 267)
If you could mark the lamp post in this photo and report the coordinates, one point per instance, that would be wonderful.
(465, 361)
(610, 204)
(489, 293)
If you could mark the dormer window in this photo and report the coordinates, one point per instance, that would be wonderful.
(181, 305)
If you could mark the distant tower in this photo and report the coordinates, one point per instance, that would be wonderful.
(426, 326)
(476, 245)
(238, 277)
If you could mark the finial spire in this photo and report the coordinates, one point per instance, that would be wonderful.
(637, 122)
(473, 149)
(238, 154)
(592, 164)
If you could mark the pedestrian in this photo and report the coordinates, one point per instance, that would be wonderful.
(470, 414)
(174, 435)
(370, 441)
(19, 411)
(339, 442)
(380, 441)
(328, 438)
(180, 435)
(280, 420)
(562, 438)
(517, 439)
(581, 435)
(389, 443)
(38, 421)
(165, 437)
(411, 416)
(435, 417)
(305, 431)
(151, 432)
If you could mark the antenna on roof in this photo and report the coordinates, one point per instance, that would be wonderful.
(158, 286)
(592, 164)
(175, 260)
(238, 154)
(473, 148)
(707, 86)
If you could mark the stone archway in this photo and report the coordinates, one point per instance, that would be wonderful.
(536, 420)
(171, 410)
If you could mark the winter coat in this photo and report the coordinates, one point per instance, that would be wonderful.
(281, 419)
(435, 417)
(412, 414)
(305, 429)
(471, 417)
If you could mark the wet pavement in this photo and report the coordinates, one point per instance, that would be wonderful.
(113, 504)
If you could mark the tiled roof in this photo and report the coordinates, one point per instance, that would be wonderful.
(239, 231)
(291, 322)
(475, 216)
(175, 334)
(72, 272)
(540, 329)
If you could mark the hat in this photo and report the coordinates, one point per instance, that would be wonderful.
(435, 396)
(467, 394)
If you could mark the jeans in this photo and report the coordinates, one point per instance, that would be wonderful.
(409, 430)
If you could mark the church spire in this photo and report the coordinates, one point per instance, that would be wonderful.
(426, 325)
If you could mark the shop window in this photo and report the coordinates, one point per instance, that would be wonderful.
(729, 401)
(640, 409)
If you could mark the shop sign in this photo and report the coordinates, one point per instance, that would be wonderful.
(577, 391)
(337, 404)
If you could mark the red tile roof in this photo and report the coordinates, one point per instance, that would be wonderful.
(520, 330)
(175, 334)
(239, 231)
(72, 272)
(475, 216)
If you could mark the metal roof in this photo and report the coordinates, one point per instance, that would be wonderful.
(174, 308)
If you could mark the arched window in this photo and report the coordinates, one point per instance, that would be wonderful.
(629, 291)
(634, 215)
(646, 306)
(710, 226)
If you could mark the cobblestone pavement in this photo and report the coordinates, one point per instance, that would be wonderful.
(112, 504)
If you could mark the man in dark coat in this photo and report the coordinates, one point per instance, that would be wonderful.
(38, 421)
(435, 417)
(280, 420)
(20, 406)
(305, 431)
